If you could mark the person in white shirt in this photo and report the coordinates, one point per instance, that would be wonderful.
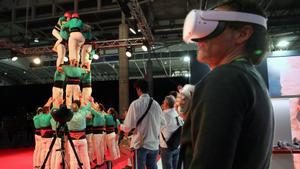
(149, 128)
(169, 157)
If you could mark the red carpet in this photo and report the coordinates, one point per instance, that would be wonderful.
(20, 158)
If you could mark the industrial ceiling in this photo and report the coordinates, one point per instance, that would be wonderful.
(23, 21)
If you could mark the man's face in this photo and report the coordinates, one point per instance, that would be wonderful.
(165, 105)
(213, 51)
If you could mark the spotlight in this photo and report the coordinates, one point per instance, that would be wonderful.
(37, 60)
(186, 59)
(15, 58)
(139, 30)
(282, 44)
(36, 40)
(145, 48)
(132, 30)
(187, 75)
(66, 59)
(95, 56)
(128, 52)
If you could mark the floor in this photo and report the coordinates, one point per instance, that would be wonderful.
(21, 158)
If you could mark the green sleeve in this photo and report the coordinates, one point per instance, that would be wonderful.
(65, 25)
(117, 123)
(87, 107)
(94, 112)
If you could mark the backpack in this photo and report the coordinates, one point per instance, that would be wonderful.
(174, 141)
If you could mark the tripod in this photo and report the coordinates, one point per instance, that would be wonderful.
(62, 127)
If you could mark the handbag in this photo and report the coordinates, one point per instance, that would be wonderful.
(174, 141)
(137, 139)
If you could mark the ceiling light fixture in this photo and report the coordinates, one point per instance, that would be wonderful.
(145, 48)
(36, 40)
(37, 61)
(66, 59)
(282, 44)
(132, 31)
(15, 58)
(96, 56)
(128, 52)
(186, 59)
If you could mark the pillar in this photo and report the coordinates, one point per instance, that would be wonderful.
(123, 69)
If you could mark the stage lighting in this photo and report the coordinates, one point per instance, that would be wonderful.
(37, 60)
(145, 48)
(187, 75)
(186, 59)
(15, 58)
(132, 31)
(282, 44)
(36, 40)
(62, 115)
(66, 59)
(128, 52)
(95, 56)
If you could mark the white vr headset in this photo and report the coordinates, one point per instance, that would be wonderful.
(200, 25)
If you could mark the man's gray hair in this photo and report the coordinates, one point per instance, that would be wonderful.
(170, 100)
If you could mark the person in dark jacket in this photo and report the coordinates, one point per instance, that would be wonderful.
(230, 123)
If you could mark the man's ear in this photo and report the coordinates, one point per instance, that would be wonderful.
(244, 34)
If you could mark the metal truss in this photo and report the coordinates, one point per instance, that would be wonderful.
(43, 50)
(138, 14)
(119, 43)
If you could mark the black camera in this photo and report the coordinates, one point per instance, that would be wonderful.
(62, 115)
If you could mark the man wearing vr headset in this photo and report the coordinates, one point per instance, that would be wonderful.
(230, 123)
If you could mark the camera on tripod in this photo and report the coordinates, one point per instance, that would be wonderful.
(62, 115)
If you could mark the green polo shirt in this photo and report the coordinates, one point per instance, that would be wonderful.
(73, 23)
(59, 76)
(73, 72)
(86, 78)
(109, 120)
(64, 33)
(78, 121)
(54, 124)
(36, 121)
(99, 118)
(45, 120)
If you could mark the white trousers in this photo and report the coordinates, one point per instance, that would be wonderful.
(45, 145)
(72, 92)
(61, 53)
(99, 145)
(56, 158)
(86, 93)
(112, 146)
(81, 149)
(91, 150)
(85, 52)
(37, 151)
(76, 40)
(57, 94)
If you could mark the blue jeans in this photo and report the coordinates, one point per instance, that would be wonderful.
(169, 158)
(146, 157)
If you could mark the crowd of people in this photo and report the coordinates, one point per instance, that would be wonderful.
(95, 132)
(92, 129)
(228, 124)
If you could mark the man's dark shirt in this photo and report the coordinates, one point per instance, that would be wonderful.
(230, 124)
